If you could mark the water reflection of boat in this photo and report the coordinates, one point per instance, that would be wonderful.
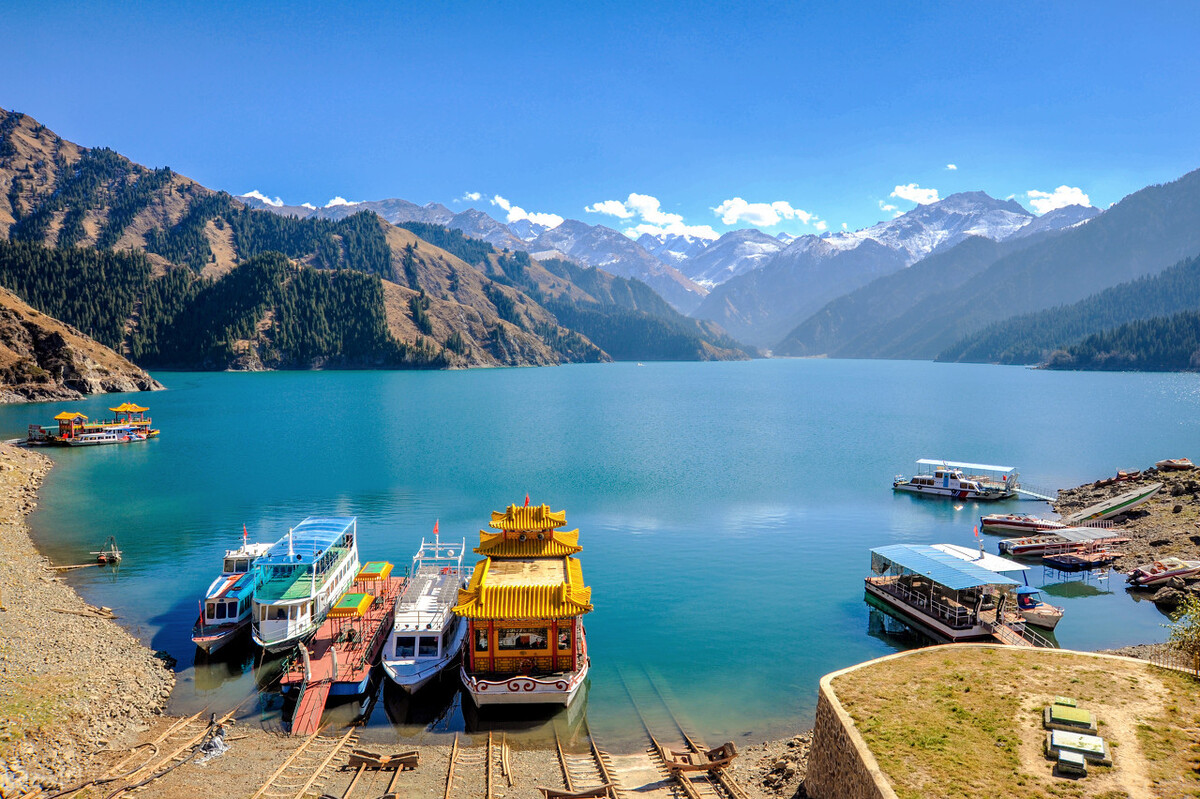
(211, 671)
(434, 708)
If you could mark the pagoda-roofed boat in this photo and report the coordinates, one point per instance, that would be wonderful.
(524, 608)
(301, 577)
(978, 481)
(129, 424)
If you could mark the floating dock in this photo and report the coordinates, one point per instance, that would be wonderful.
(337, 661)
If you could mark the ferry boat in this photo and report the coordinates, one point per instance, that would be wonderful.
(129, 422)
(301, 577)
(427, 636)
(524, 608)
(1018, 523)
(1160, 571)
(942, 595)
(1029, 603)
(978, 481)
(1068, 539)
(227, 605)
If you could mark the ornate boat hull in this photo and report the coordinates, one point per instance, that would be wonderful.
(524, 690)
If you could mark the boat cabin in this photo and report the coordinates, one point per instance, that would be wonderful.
(938, 593)
(524, 606)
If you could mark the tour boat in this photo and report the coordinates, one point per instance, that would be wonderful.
(130, 423)
(1017, 523)
(1174, 464)
(427, 636)
(112, 435)
(524, 607)
(301, 577)
(227, 605)
(943, 595)
(1160, 571)
(1036, 612)
(1068, 539)
(938, 478)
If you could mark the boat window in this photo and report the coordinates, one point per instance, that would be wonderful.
(564, 640)
(280, 613)
(230, 565)
(211, 611)
(521, 638)
(481, 640)
(406, 646)
(427, 646)
(222, 610)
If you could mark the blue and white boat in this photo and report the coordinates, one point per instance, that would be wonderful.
(301, 577)
(228, 603)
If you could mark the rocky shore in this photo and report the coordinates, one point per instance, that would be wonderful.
(72, 680)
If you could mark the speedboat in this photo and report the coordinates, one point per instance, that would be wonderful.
(1017, 523)
(227, 605)
(1178, 464)
(427, 636)
(301, 577)
(1160, 571)
(1035, 611)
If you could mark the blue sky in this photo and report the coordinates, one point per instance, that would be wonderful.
(809, 113)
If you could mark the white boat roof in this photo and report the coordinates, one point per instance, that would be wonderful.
(960, 465)
(427, 599)
(1078, 534)
(993, 563)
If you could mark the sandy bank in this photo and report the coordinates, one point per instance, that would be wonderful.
(71, 682)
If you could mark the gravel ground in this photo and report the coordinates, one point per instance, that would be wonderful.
(71, 680)
(1167, 524)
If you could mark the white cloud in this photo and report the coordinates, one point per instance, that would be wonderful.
(340, 201)
(845, 226)
(517, 213)
(309, 206)
(610, 208)
(914, 193)
(952, 167)
(886, 207)
(736, 210)
(1043, 201)
(673, 229)
(258, 195)
(470, 196)
(821, 225)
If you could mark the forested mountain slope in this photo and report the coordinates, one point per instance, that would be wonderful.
(1161, 344)
(1032, 338)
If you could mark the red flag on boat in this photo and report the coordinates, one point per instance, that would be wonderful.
(245, 534)
(435, 526)
(977, 531)
(527, 500)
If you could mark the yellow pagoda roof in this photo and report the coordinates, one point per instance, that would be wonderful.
(557, 544)
(68, 415)
(510, 595)
(528, 518)
(128, 407)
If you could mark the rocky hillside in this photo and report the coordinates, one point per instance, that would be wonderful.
(441, 310)
(43, 359)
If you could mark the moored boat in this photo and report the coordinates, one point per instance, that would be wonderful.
(1174, 464)
(112, 435)
(1017, 523)
(938, 478)
(1035, 611)
(1068, 539)
(1160, 571)
(129, 424)
(301, 577)
(228, 602)
(427, 636)
(1113, 506)
(524, 606)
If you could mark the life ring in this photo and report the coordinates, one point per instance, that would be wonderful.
(1158, 566)
(525, 666)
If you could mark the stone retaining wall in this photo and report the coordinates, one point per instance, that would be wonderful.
(840, 766)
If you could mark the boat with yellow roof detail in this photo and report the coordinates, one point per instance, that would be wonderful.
(524, 608)
(129, 424)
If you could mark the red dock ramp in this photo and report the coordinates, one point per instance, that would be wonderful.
(339, 657)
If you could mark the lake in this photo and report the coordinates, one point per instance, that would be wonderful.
(726, 509)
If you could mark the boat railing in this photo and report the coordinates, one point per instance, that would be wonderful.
(955, 615)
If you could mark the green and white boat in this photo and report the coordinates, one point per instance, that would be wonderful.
(301, 577)
(1113, 506)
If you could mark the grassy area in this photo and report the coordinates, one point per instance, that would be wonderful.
(966, 722)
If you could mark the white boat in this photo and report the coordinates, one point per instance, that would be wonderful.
(112, 435)
(301, 577)
(1036, 612)
(1114, 506)
(1017, 523)
(1068, 539)
(227, 605)
(1160, 571)
(938, 478)
(427, 637)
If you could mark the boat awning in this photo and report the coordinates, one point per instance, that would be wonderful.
(67, 416)
(940, 567)
(310, 538)
(1084, 534)
(375, 570)
(351, 606)
(993, 563)
(980, 467)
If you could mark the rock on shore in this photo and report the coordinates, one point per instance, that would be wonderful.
(71, 681)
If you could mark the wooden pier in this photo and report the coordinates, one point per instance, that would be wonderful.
(337, 661)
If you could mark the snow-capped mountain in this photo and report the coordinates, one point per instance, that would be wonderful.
(1058, 219)
(735, 253)
(607, 249)
(673, 249)
(527, 229)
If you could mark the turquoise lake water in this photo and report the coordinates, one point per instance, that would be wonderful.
(726, 509)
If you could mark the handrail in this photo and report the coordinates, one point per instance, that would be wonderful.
(949, 613)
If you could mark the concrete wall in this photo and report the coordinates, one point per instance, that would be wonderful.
(840, 766)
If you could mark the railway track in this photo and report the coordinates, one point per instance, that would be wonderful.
(305, 769)
(584, 770)
(655, 713)
(468, 767)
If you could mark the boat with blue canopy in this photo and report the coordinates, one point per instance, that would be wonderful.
(943, 596)
(301, 577)
(939, 478)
